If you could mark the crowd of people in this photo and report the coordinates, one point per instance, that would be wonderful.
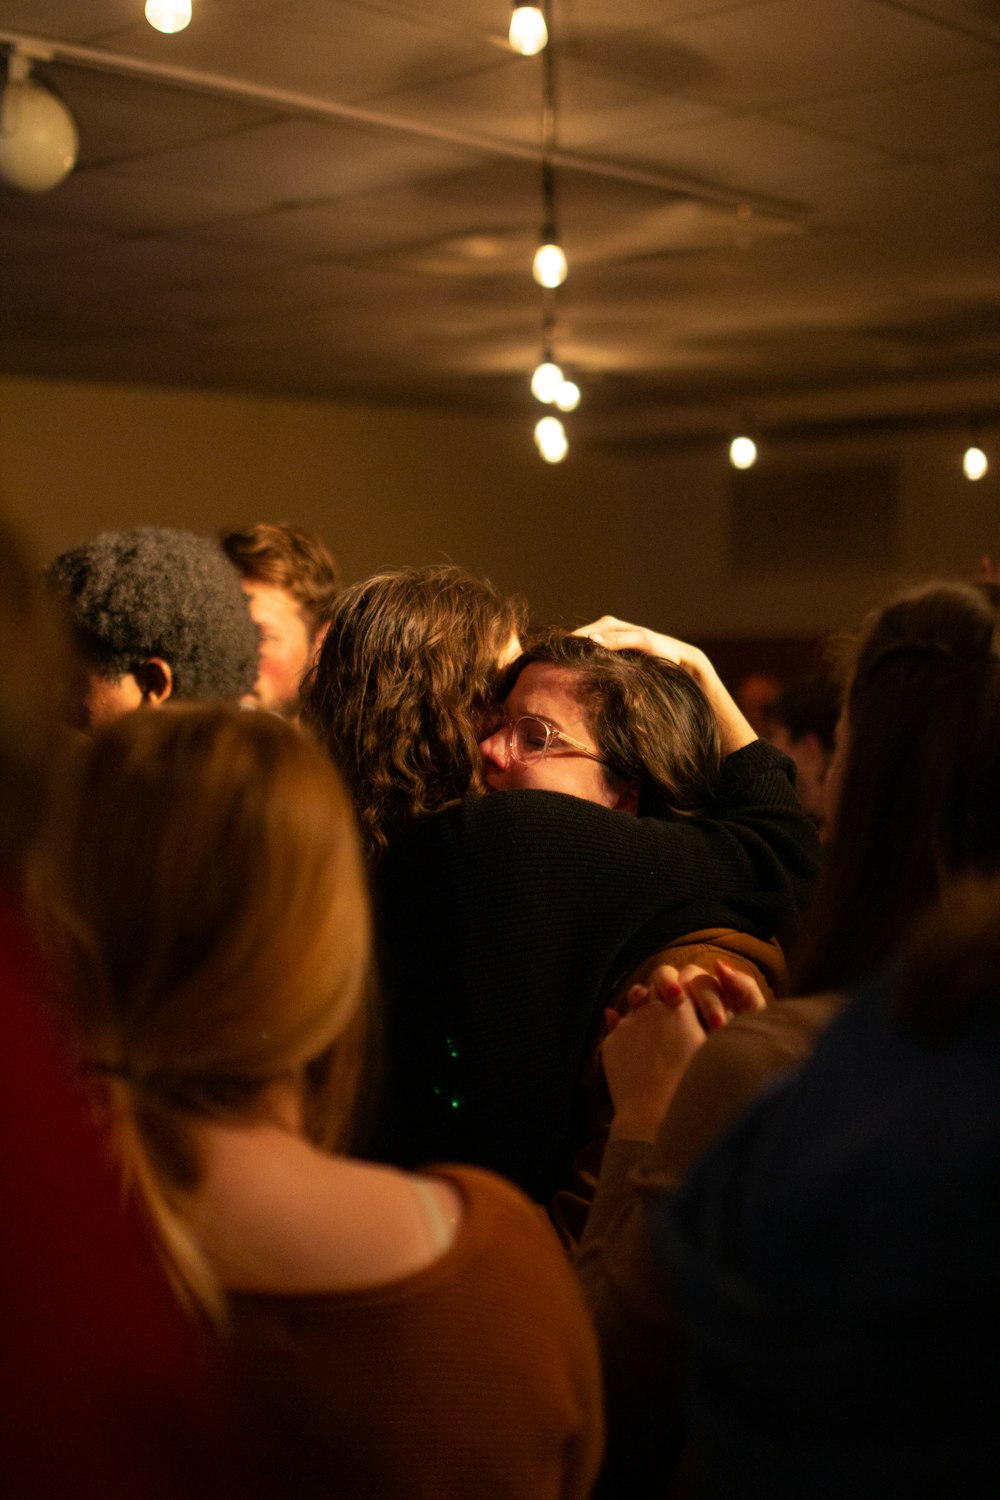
(444, 1060)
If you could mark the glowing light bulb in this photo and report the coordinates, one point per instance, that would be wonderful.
(528, 31)
(568, 396)
(168, 16)
(546, 382)
(551, 440)
(549, 267)
(974, 463)
(742, 453)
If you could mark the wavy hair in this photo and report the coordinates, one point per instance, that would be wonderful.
(651, 722)
(202, 897)
(401, 686)
(919, 802)
(290, 558)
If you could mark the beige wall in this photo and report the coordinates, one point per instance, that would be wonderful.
(643, 536)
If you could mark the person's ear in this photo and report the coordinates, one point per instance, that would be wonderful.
(156, 681)
(628, 797)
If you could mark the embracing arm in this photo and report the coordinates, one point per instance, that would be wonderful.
(735, 731)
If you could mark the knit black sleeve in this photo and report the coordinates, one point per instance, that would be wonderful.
(504, 920)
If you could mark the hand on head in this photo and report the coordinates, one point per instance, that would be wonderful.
(735, 730)
(620, 635)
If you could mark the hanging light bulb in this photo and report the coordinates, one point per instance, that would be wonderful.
(551, 440)
(547, 381)
(974, 462)
(168, 16)
(549, 267)
(567, 397)
(742, 453)
(38, 135)
(528, 31)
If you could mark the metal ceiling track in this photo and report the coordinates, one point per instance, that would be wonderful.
(287, 101)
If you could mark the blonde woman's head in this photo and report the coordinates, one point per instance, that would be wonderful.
(202, 898)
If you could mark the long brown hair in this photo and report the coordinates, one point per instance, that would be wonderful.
(202, 898)
(949, 966)
(401, 686)
(920, 798)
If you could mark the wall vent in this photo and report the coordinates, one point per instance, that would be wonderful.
(844, 516)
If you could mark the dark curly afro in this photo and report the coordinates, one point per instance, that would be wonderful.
(154, 591)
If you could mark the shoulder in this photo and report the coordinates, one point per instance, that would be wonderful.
(731, 1069)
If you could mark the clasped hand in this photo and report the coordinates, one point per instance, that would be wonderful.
(648, 1049)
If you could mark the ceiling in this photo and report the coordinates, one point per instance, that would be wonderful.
(780, 212)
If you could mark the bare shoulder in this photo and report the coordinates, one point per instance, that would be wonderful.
(275, 1214)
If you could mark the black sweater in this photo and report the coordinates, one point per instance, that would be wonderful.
(505, 922)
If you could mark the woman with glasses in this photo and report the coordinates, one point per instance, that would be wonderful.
(621, 728)
(506, 922)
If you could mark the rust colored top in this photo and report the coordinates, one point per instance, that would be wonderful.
(478, 1375)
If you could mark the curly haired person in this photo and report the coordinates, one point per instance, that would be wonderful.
(158, 615)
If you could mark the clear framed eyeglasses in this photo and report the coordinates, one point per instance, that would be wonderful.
(529, 739)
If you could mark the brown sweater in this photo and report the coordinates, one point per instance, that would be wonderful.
(641, 1342)
(477, 1376)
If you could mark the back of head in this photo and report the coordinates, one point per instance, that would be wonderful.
(651, 722)
(809, 706)
(401, 686)
(289, 558)
(157, 592)
(919, 798)
(202, 900)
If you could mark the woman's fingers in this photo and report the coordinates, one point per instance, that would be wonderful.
(644, 1057)
(705, 994)
(740, 991)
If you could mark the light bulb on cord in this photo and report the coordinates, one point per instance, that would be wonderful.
(742, 453)
(547, 381)
(551, 440)
(549, 267)
(568, 396)
(38, 135)
(168, 16)
(974, 462)
(528, 31)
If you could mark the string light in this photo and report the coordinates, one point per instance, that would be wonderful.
(528, 31)
(39, 141)
(549, 266)
(974, 462)
(547, 381)
(551, 440)
(742, 453)
(568, 396)
(168, 16)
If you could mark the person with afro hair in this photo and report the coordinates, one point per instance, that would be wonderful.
(158, 615)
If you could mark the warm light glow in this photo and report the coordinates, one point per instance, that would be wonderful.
(549, 267)
(551, 440)
(742, 453)
(528, 32)
(168, 16)
(975, 463)
(568, 396)
(547, 382)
